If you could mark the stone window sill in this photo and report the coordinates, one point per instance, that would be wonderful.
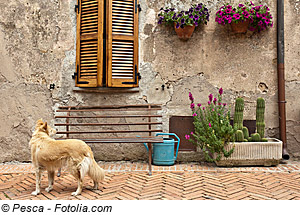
(105, 90)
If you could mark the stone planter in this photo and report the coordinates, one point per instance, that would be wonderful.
(253, 154)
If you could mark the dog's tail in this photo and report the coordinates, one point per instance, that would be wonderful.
(96, 172)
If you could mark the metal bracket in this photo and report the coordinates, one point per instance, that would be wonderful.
(77, 7)
(137, 76)
(77, 77)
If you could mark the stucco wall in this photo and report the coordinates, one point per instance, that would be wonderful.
(37, 48)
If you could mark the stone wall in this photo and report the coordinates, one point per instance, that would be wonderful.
(37, 48)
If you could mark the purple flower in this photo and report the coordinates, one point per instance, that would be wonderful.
(191, 97)
(236, 16)
(220, 13)
(177, 25)
(221, 91)
(215, 100)
(209, 124)
(224, 104)
(187, 137)
(192, 106)
(209, 103)
(194, 114)
(251, 28)
(251, 3)
(241, 5)
(246, 14)
(228, 11)
(199, 105)
(196, 17)
(174, 16)
(182, 21)
(203, 108)
(210, 97)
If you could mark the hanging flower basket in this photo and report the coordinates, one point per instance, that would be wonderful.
(245, 16)
(240, 27)
(184, 33)
(184, 21)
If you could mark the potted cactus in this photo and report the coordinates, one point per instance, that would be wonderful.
(254, 149)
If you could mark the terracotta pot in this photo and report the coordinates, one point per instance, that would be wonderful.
(240, 27)
(184, 33)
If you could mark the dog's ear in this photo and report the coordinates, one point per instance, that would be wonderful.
(45, 126)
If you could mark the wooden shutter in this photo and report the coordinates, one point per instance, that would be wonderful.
(89, 43)
(122, 43)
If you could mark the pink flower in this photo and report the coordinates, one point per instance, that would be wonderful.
(215, 100)
(203, 108)
(191, 97)
(209, 103)
(192, 106)
(210, 97)
(224, 104)
(199, 105)
(209, 124)
(187, 137)
(192, 133)
(221, 91)
(213, 109)
(194, 114)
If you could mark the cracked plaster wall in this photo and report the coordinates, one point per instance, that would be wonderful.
(37, 48)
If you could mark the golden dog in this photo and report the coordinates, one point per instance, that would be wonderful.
(49, 154)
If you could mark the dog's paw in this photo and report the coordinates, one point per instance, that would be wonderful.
(48, 189)
(74, 194)
(91, 188)
(35, 193)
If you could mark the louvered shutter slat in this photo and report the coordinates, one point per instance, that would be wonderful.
(89, 43)
(122, 43)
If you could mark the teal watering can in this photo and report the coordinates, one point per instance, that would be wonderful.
(163, 153)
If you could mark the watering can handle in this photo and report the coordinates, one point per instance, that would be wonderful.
(172, 134)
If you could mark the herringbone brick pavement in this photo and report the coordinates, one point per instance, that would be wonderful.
(183, 181)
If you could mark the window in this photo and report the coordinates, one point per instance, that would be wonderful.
(107, 43)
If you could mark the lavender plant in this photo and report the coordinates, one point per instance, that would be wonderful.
(197, 14)
(212, 127)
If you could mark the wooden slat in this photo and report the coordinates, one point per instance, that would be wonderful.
(119, 109)
(107, 124)
(107, 132)
(107, 116)
(122, 140)
(145, 106)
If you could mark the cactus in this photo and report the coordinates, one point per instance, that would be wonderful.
(260, 118)
(239, 136)
(264, 140)
(246, 133)
(238, 114)
(255, 137)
